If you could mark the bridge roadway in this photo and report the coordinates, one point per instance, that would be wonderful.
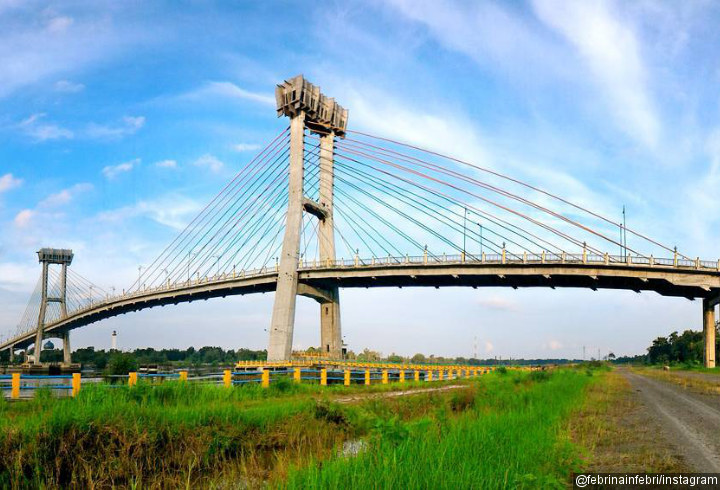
(669, 277)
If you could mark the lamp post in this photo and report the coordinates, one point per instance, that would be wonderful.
(217, 263)
(464, 229)
(481, 238)
(191, 254)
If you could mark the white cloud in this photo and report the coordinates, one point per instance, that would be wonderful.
(68, 87)
(174, 211)
(210, 162)
(232, 91)
(433, 130)
(17, 277)
(246, 147)
(37, 47)
(41, 131)
(65, 196)
(22, 219)
(58, 24)
(166, 164)
(8, 182)
(611, 50)
(112, 171)
(497, 303)
(128, 126)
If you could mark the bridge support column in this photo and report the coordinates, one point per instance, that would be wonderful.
(330, 329)
(307, 108)
(41, 316)
(67, 358)
(709, 331)
(283, 316)
(12, 354)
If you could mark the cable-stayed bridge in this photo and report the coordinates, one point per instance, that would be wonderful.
(322, 208)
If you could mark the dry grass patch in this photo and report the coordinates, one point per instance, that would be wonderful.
(618, 434)
(689, 380)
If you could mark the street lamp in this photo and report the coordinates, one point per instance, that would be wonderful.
(191, 255)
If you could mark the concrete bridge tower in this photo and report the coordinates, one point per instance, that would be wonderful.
(309, 109)
(63, 258)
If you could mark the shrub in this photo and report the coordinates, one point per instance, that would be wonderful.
(121, 363)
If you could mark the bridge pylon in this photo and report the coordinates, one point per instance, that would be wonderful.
(308, 109)
(48, 257)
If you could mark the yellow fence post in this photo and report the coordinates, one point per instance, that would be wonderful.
(401, 377)
(265, 378)
(417, 375)
(227, 378)
(75, 384)
(367, 377)
(323, 377)
(429, 376)
(441, 374)
(183, 375)
(15, 389)
(297, 375)
(384, 376)
(132, 379)
(347, 377)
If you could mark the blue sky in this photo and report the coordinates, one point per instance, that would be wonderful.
(120, 120)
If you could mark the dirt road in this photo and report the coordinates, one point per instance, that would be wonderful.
(691, 420)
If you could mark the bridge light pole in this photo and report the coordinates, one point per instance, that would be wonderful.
(481, 239)
(140, 268)
(191, 255)
(464, 230)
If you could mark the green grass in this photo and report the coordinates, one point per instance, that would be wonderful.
(501, 430)
(512, 438)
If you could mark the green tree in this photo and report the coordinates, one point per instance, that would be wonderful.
(122, 363)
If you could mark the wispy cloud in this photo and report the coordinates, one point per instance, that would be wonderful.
(68, 87)
(65, 196)
(497, 303)
(112, 171)
(210, 162)
(612, 52)
(23, 218)
(8, 182)
(40, 131)
(129, 125)
(174, 211)
(246, 147)
(231, 91)
(166, 164)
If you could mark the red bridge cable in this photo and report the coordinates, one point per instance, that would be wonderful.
(511, 179)
(512, 211)
(214, 202)
(489, 187)
(385, 183)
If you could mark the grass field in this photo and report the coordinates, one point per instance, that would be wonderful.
(499, 431)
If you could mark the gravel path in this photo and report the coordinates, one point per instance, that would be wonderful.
(392, 394)
(690, 420)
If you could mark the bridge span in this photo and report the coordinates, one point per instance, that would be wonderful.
(318, 187)
(667, 277)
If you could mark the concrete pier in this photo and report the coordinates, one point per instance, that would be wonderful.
(283, 316)
(309, 109)
(330, 329)
(709, 331)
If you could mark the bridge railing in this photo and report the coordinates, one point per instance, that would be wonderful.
(17, 385)
(427, 259)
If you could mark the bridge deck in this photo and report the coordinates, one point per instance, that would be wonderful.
(668, 277)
